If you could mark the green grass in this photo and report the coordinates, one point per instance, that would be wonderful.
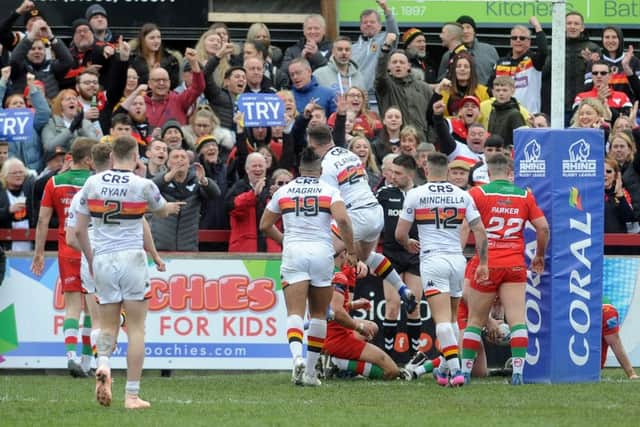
(269, 399)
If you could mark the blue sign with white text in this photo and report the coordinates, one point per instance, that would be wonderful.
(261, 109)
(16, 125)
(565, 171)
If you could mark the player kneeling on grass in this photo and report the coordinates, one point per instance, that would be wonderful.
(117, 261)
(346, 343)
(306, 206)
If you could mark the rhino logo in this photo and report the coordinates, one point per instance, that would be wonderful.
(579, 151)
(532, 151)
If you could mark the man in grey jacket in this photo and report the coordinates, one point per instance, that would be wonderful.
(181, 184)
(341, 72)
(366, 50)
(396, 86)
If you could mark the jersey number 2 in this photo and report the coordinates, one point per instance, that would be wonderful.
(113, 208)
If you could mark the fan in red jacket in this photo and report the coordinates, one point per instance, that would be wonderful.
(245, 204)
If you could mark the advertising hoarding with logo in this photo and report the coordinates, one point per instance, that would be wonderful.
(494, 12)
(202, 318)
(564, 169)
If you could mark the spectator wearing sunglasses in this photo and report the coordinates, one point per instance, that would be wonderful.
(525, 65)
(617, 102)
(617, 201)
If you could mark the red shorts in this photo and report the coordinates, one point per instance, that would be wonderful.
(342, 342)
(497, 276)
(69, 269)
(463, 314)
(610, 326)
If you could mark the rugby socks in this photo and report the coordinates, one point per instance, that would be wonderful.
(519, 344)
(359, 367)
(448, 345)
(87, 353)
(295, 326)
(456, 331)
(471, 342)
(442, 364)
(414, 328)
(427, 367)
(70, 330)
(315, 341)
(389, 329)
(381, 266)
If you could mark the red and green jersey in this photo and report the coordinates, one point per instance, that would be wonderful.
(504, 209)
(58, 193)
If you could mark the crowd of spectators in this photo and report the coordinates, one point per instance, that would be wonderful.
(382, 94)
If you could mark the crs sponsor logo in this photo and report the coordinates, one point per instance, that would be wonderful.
(579, 163)
(531, 165)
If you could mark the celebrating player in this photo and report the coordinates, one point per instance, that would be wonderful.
(439, 209)
(57, 196)
(504, 208)
(343, 170)
(306, 206)
(115, 201)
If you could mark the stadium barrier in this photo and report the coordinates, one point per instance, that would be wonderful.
(222, 311)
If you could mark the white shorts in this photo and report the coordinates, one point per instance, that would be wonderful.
(367, 223)
(307, 261)
(443, 273)
(121, 276)
(88, 283)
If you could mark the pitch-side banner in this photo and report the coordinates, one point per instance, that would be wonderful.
(564, 169)
(203, 314)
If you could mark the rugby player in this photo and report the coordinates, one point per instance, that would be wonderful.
(504, 209)
(115, 201)
(342, 169)
(306, 206)
(439, 209)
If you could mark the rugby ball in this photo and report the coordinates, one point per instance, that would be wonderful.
(503, 337)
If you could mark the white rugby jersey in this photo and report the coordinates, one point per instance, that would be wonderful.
(438, 208)
(305, 206)
(73, 215)
(343, 170)
(116, 200)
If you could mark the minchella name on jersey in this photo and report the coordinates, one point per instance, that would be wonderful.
(440, 200)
